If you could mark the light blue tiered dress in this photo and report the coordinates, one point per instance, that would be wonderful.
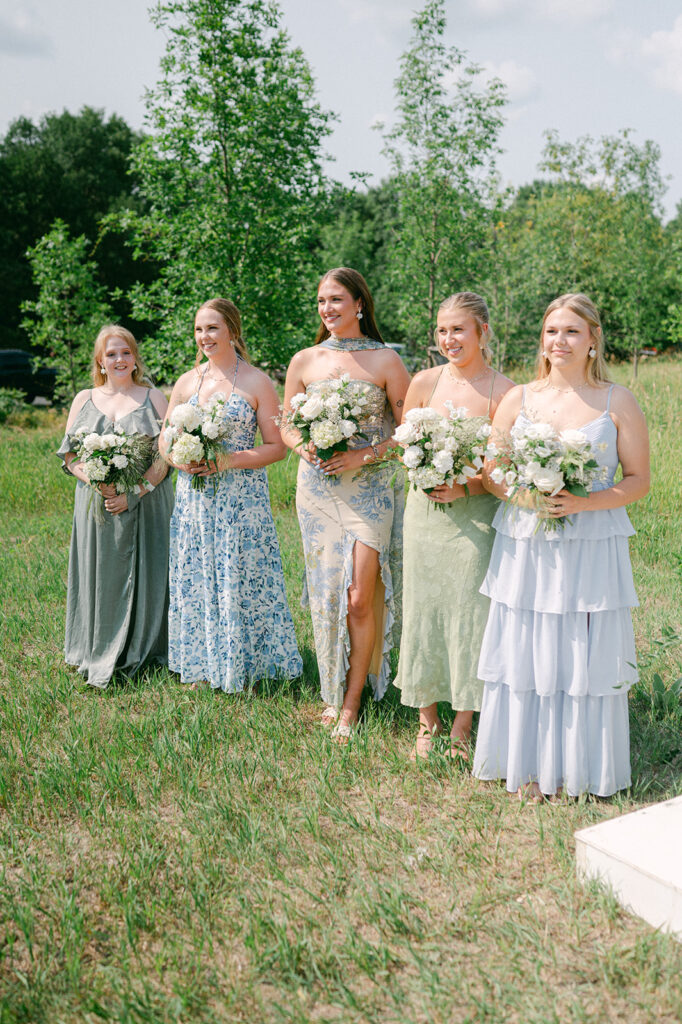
(558, 653)
(229, 621)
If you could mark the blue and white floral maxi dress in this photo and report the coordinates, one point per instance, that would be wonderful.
(229, 621)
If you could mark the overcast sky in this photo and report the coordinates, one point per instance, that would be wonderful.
(580, 66)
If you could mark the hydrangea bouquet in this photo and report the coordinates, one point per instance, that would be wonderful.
(544, 461)
(330, 416)
(196, 433)
(437, 449)
(114, 458)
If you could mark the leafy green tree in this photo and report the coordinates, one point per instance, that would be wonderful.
(232, 175)
(442, 150)
(603, 226)
(71, 307)
(68, 166)
(360, 230)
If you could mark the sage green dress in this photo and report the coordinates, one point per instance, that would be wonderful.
(446, 552)
(117, 596)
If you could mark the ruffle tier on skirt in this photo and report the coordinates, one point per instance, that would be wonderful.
(558, 655)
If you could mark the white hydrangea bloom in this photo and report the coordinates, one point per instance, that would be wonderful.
(188, 448)
(186, 416)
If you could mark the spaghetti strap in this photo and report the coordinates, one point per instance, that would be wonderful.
(490, 393)
(608, 400)
(201, 379)
(523, 398)
(436, 383)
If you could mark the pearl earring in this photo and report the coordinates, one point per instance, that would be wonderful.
(359, 314)
(592, 353)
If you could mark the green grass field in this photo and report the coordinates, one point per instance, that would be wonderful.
(170, 856)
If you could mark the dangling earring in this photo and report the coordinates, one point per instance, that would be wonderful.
(102, 371)
(359, 314)
(592, 353)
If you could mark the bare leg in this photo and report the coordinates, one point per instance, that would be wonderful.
(460, 733)
(429, 726)
(361, 629)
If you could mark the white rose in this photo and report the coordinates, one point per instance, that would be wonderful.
(120, 461)
(348, 428)
(548, 480)
(405, 434)
(574, 439)
(312, 408)
(412, 456)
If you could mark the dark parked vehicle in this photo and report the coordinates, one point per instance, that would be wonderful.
(17, 371)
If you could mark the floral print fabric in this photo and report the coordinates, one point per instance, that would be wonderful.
(335, 512)
(229, 620)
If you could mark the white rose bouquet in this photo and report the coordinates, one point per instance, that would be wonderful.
(114, 458)
(330, 416)
(196, 433)
(544, 461)
(441, 450)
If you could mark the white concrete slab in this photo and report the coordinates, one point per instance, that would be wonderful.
(639, 856)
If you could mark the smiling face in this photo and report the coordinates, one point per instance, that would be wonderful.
(117, 359)
(338, 309)
(211, 333)
(459, 337)
(566, 339)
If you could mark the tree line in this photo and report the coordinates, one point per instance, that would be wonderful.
(225, 192)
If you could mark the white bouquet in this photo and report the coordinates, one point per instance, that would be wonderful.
(114, 458)
(196, 433)
(441, 450)
(330, 416)
(544, 461)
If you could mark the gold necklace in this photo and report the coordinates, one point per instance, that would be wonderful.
(568, 391)
(466, 380)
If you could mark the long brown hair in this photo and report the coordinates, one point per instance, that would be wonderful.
(229, 313)
(140, 373)
(474, 304)
(355, 283)
(584, 307)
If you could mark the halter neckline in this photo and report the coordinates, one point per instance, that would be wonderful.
(350, 344)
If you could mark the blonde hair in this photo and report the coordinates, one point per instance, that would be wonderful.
(474, 304)
(140, 373)
(229, 313)
(584, 307)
